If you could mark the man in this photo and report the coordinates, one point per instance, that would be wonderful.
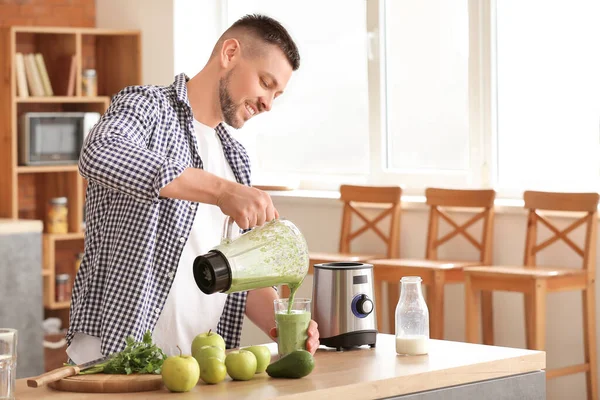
(163, 172)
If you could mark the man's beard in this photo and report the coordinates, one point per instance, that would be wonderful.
(228, 107)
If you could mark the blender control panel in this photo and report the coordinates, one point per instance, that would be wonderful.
(362, 305)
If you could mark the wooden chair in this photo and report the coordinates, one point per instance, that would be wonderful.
(435, 273)
(536, 281)
(355, 198)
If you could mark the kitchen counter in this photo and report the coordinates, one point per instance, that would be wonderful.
(450, 368)
(9, 226)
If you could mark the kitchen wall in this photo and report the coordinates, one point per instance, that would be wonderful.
(48, 12)
(154, 18)
(177, 37)
(196, 29)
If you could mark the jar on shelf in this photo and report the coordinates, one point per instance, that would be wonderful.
(412, 318)
(89, 83)
(63, 287)
(78, 259)
(56, 217)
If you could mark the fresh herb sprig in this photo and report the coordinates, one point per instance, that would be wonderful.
(138, 357)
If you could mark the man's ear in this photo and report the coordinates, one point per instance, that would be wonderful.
(230, 51)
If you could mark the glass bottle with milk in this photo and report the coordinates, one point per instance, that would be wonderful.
(412, 318)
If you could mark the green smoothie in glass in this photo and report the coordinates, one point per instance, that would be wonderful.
(292, 320)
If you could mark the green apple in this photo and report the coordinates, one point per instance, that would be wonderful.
(180, 373)
(241, 365)
(213, 371)
(209, 338)
(263, 357)
(205, 352)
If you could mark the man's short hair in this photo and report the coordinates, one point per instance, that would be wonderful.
(265, 29)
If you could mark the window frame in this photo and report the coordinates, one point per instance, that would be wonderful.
(479, 173)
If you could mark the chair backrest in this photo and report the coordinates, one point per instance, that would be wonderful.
(479, 200)
(387, 197)
(576, 203)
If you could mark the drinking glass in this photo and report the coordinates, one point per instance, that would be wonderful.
(291, 321)
(8, 363)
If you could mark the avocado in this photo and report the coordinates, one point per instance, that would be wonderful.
(296, 364)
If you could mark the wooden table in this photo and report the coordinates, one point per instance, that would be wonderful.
(499, 372)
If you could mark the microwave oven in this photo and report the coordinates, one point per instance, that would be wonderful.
(53, 138)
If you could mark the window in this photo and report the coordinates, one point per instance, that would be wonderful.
(459, 93)
(548, 95)
(319, 126)
(427, 85)
(430, 83)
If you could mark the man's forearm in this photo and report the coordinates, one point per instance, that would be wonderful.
(259, 308)
(197, 185)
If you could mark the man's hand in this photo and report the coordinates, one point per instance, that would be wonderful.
(259, 308)
(312, 343)
(248, 206)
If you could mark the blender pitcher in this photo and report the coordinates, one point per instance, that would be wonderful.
(270, 255)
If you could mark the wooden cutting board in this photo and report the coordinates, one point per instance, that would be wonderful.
(109, 383)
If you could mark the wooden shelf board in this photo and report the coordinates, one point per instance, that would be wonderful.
(103, 31)
(40, 169)
(44, 29)
(276, 188)
(46, 272)
(64, 236)
(62, 99)
(73, 30)
(58, 305)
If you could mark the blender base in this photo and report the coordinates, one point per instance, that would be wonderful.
(349, 340)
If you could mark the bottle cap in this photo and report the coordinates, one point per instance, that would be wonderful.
(59, 201)
(212, 272)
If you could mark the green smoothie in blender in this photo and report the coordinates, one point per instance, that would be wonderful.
(271, 255)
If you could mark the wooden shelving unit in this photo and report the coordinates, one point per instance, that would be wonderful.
(63, 99)
(24, 189)
(46, 168)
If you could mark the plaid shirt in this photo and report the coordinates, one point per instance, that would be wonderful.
(134, 238)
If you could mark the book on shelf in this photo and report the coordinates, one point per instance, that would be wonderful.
(32, 75)
(72, 76)
(41, 66)
(22, 90)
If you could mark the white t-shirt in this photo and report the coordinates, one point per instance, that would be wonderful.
(187, 311)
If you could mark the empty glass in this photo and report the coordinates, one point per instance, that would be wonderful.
(8, 363)
(412, 318)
